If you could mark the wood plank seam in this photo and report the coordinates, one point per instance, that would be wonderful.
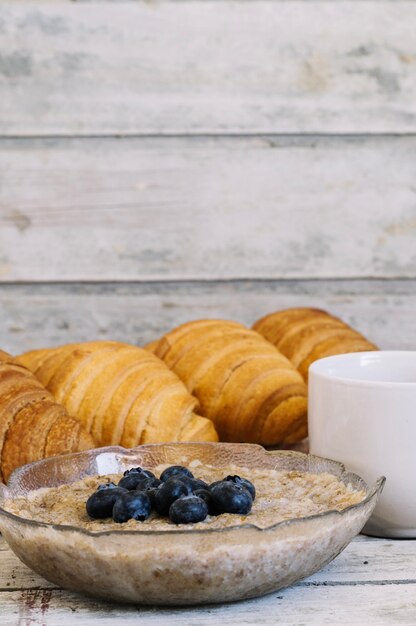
(295, 135)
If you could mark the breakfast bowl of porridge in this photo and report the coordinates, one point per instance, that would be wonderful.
(167, 524)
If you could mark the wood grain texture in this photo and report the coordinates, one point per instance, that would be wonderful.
(180, 208)
(207, 67)
(38, 316)
(350, 604)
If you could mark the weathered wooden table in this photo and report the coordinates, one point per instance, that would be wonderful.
(372, 582)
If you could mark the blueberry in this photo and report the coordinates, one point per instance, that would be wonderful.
(206, 496)
(151, 494)
(229, 497)
(106, 486)
(185, 480)
(212, 485)
(139, 470)
(149, 483)
(167, 493)
(132, 505)
(132, 480)
(173, 470)
(192, 483)
(100, 503)
(244, 483)
(150, 487)
(197, 483)
(188, 510)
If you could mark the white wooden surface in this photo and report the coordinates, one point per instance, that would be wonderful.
(372, 582)
(40, 315)
(180, 208)
(274, 166)
(207, 66)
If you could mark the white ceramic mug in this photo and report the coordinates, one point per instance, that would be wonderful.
(362, 412)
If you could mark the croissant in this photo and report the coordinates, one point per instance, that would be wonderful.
(32, 424)
(243, 383)
(305, 335)
(122, 394)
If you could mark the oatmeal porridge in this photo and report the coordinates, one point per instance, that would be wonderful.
(280, 496)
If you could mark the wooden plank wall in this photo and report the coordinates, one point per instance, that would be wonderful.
(162, 161)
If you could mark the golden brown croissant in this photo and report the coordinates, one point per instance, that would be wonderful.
(305, 335)
(246, 386)
(122, 394)
(32, 424)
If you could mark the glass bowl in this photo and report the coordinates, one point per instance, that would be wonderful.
(178, 566)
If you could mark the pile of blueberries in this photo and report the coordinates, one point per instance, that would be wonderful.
(176, 494)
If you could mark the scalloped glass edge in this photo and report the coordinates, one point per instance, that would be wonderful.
(345, 476)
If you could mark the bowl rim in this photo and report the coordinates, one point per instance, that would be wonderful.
(317, 369)
(372, 492)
